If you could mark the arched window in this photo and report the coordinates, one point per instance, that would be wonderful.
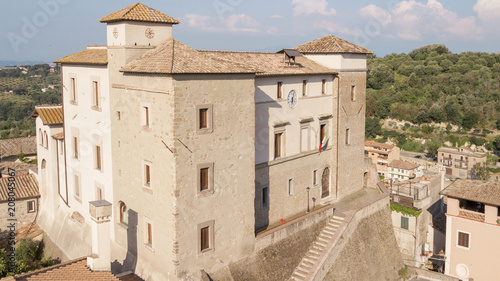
(40, 136)
(46, 139)
(123, 213)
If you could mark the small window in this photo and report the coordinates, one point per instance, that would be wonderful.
(75, 147)
(322, 133)
(347, 136)
(280, 90)
(463, 239)
(73, 89)
(304, 88)
(265, 196)
(123, 213)
(99, 194)
(77, 186)
(203, 179)
(147, 175)
(95, 96)
(204, 118)
(353, 93)
(290, 187)
(149, 234)
(145, 116)
(46, 139)
(205, 238)
(31, 206)
(278, 140)
(404, 223)
(98, 157)
(119, 115)
(323, 87)
(315, 177)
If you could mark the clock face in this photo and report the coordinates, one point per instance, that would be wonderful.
(292, 98)
(150, 33)
(115, 32)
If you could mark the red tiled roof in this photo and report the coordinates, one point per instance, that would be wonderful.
(378, 144)
(400, 164)
(59, 136)
(11, 147)
(74, 270)
(51, 115)
(486, 192)
(26, 186)
(331, 44)
(20, 167)
(139, 12)
(90, 56)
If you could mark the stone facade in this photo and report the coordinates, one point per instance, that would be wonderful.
(459, 161)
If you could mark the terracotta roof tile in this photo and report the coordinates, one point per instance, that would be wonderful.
(59, 136)
(378, 144)
(51, 115)
(331, 44)
(90, 56)
(11, 147)
(139, 12)
(74, 270)
(26, 186)
(475, 190)
(400, 164)
(21, 168)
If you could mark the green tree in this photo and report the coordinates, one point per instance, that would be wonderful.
(480, 171)
(373, 128)
(470, 119)
(380, 75)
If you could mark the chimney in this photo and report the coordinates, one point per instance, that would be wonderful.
(100, 212)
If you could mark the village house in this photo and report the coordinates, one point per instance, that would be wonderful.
(194, 153)
(402, 170)
(459, 161)
(11, 149)
(472, 229)
(382, 154)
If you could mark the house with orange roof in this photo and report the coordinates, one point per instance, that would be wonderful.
(382, 155)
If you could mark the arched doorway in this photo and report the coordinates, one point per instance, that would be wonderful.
(325, 183)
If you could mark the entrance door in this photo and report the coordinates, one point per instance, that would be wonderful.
(449, 171)
(325, 183)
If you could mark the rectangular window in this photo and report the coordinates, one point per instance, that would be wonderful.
(145, 117)
(347, 136)
(290, 187)
(77, 186)
(315, 177)
(75, 147)
(205, 241)
(265, 196)
(404, 223)
(322, 132)
(463, 239)
(149, 233)
(203, 179)
(31, 206)
(353, 93)
(280, 90)
(73, 89)
(118, 115)
(304, 88)
(323, 87)
(278, 145)
(304, 139)
(98, 157)
(95, 90)
(99, 194)
(203, 118)
(147, 175)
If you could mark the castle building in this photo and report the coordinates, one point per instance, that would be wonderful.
(200, 150)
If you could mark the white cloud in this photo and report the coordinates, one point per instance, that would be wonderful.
(488, 10)
(232, 23)
(334, 28)
(310, 7)
(276, 17)
(412, 20)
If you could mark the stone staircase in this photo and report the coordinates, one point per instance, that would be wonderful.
(312, 258)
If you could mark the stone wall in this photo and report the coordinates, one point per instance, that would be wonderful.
(21, 210)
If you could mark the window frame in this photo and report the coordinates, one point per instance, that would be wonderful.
(468, 239)
(123, 212)
(281, 146)
(323, 86)
(96, 93)
(264, 196)
(290, 188)
(210, 172)
(30, 203)
(98, 163)
(99, 191)
(73, 89)
(348, 136)
(304, 88)
(315, 182)
(279, 90)
(209, 225)
(353, 92)
(149, 240)
(46, 139)
(145, 112)
(145, 165)
(307, 127)
(76, 147)
(407, 222)
(209, 118)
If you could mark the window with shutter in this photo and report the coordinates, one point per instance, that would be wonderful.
(205, 241)
(204, 179)
(277, 144)
(75, 147)
(280, 90)
(404, 223)
(463, 239)
(204, 118)
(98, 164)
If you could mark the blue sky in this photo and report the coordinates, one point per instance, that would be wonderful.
(45, 30)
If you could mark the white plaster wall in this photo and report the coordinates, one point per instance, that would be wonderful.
(133, 33)
(344, 62)
(270, 110)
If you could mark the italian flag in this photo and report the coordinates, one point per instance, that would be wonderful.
(323, 142)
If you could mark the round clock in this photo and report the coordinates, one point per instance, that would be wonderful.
(292, 98)
(150, 33)
(115, 32)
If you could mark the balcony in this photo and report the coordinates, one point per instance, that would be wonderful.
(471, 215)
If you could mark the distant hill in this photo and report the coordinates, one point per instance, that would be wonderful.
(3, 64)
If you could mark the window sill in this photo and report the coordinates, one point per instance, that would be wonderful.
(203, 252)
(206, 193)
(149, 247)
(147, 189)
(146, 128)
(73, 102)
(123, 225)
(78, 199)
(96, 108)
(204, 131)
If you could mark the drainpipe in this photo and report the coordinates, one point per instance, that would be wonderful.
(338, 141)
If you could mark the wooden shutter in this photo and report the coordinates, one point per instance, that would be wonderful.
(146, 117)
(205, 242)
(404, 223)
(150, 234)
(463, 239)
(204, 179)
(204, 118)
(147, 174)
(98, 157)
(277, 145)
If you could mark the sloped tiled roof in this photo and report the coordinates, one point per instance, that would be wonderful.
(11, 147)
(74, 270)
(331, 44)
(378, 144)
(26, 187)
(139, 12)
(21, 168)
(50, 115)
(486, 192)
(59, 136)
(400, 164)
(174, 57)
(97, 56)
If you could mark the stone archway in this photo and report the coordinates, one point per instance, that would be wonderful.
(325, 183)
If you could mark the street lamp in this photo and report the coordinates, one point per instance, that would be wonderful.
(308, 188)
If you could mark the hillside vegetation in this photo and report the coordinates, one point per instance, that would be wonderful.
(20, 91)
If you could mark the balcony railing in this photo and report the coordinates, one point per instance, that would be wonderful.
(471, 215)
